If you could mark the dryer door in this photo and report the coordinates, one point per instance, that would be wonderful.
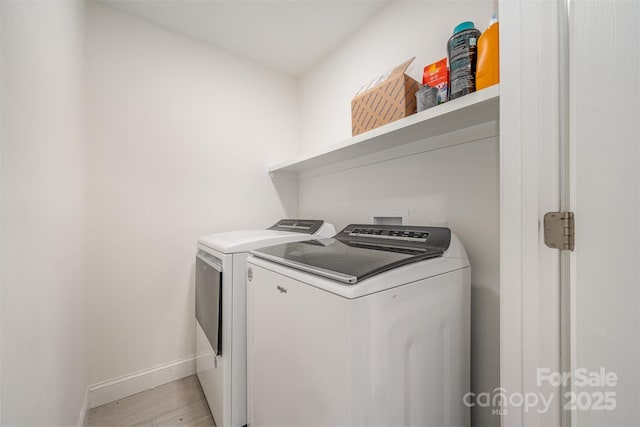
(209, 298)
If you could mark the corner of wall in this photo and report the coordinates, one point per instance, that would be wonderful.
(83, 416)
(2, 141)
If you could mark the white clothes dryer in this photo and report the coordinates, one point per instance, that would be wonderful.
(370, 328)
(221, 311)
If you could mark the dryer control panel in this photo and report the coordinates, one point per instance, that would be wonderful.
(308, 226)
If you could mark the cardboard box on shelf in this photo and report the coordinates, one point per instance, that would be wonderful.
(390, 97)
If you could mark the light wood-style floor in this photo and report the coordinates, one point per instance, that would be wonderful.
(179, 403)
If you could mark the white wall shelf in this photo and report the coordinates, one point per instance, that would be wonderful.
(477, 108)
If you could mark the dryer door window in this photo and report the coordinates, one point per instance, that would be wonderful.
(209, 299)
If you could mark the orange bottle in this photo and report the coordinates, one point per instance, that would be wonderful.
(488, 65)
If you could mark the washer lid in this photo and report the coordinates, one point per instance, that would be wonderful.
(361, 251)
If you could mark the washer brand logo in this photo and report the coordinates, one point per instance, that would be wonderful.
(250, 274)
(281, 289)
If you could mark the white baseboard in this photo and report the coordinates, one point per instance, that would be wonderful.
(118, 388)
(83, 417)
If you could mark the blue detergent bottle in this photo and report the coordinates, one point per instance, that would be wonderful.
(462, 48)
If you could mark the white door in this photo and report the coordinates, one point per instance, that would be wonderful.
(594, 315)
(605, 196)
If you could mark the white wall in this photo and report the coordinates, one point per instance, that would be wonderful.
(180, 136)
(44, 375)
(459, 185)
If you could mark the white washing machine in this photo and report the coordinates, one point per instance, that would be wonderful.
(221, 311)
(370, 328)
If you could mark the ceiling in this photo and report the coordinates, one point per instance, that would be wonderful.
(289, 35)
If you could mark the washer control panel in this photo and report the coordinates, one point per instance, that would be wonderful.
(402, 236)
(406, 235)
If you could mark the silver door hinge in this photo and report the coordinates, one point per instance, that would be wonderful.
(559, 230)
